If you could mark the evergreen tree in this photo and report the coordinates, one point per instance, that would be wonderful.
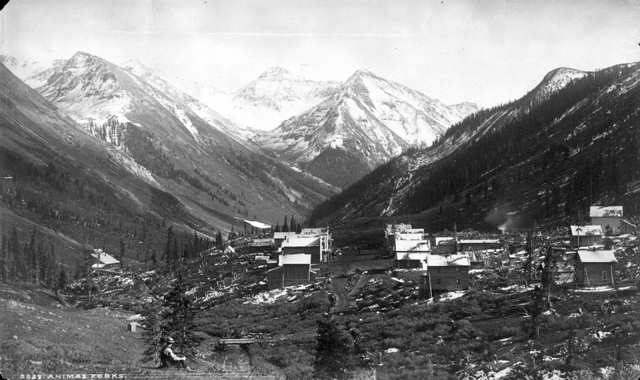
(17, 269)
(62, 280)
(219, 241)
(153, 332)
(178, 317)
(334, 351)
(169, 253)
(121, 252)
(4, 258)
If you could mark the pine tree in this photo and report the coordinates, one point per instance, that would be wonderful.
(168, 250)
(17, 269)
(153, 332)
(4, 258)
(219, 241)
(62, 280)
(334, 351)
(121, 252)
(179, 315)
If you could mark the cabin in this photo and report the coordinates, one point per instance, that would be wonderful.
(310, 245)
(103, 260)
(447, 273)
(595, 267)
(292, 269)
(609, 218)
(586, 236)
(410, 254)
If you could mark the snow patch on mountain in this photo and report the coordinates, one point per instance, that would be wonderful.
(274, 96)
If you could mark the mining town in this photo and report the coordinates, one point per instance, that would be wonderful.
(320, 189)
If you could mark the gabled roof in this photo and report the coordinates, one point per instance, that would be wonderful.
(413, 246)
(409, 236)
(606, 211)
(446, 261)
(256, 224)
(445, 240)
(296, 258)
(283, 235)
(588, 230)
(600, 256)
(301, 241)
(103, 257)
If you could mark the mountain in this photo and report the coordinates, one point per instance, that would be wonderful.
(364, 123)
(214, 119)
(570, 142)
(23, 68)
(274, 96)
(61, 183)
(167, 140)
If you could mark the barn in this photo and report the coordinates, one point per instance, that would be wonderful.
(595, 267)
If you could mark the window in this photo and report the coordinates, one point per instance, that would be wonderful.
(604, 275)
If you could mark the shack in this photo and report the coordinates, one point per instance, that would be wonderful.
(447, 273)
(293, 269)
(103, 260)
(586, 236)
(595, 267)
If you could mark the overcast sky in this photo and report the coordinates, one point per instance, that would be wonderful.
(487, 51)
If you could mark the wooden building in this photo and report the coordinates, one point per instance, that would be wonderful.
(411, 254)
(586, 236)
(310, 245)
(280, 237)
(293, 269)
(103, 260)
(447, 273)
(609, 218)
(595, 267)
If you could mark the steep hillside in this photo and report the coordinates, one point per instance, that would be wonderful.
(367, 121)
(170, 140)
(570, 142)
(60, 182)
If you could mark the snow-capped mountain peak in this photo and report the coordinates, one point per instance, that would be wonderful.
(556, 80)
(365, 122)
(275, 73)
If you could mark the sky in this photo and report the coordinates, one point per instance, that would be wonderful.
(488, 51)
